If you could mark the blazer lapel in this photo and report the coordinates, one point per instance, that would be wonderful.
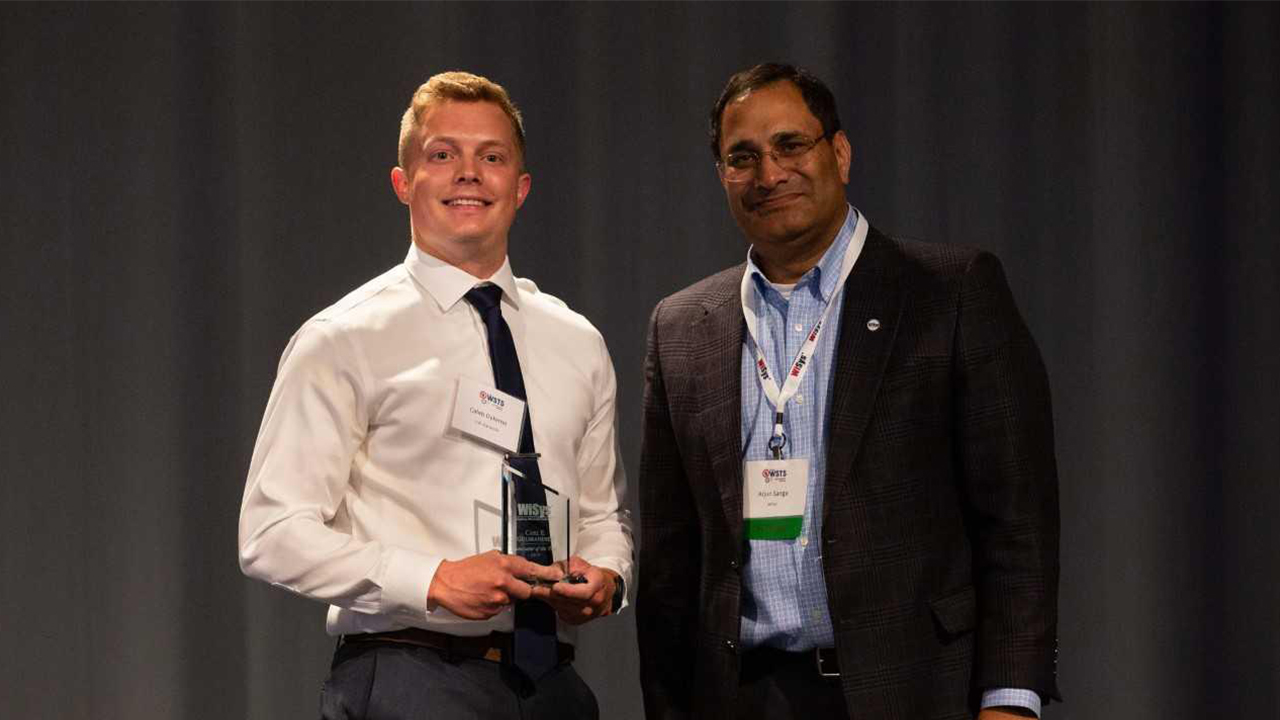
(872, 299)
(719, 354)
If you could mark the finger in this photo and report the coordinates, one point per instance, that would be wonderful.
(579, 592)
(550, 573)
(562, 610)
(568, 609)
(573, 604)
(582, 615)
(516, 588)
(524, 568)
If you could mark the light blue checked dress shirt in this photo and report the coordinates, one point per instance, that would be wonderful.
(784, 602)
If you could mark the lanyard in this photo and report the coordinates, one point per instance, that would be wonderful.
(779, 397)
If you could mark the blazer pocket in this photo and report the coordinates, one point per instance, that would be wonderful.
(956, 613)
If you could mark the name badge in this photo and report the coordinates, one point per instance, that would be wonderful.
(488, 415)
(773, 499)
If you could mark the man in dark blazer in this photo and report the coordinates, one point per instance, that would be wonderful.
(929, 589)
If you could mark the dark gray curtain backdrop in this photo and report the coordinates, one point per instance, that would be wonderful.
(182, 186)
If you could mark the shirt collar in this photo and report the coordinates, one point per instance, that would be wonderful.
(826, 273)
(447, 284)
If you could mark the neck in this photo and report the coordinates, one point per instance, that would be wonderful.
(477, 262)
(788, 264)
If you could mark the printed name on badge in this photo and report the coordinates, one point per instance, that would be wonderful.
(488, 414)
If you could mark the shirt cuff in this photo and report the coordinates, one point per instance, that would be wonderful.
(1012, 697)
(404, 588)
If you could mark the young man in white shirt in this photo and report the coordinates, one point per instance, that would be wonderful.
(368, 490)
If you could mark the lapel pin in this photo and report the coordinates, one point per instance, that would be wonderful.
(873, 324)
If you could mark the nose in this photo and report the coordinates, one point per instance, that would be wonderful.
(770, 173)
(467, 172)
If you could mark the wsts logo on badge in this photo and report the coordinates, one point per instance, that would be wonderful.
(771, 475)
(491, 399)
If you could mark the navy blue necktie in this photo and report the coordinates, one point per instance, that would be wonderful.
(535, 621)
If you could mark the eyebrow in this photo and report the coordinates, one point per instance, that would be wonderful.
(484, 144)
(775, 139)
(452, 140)
(491, 144)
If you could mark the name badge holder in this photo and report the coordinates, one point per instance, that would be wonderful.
(774, 494)
(488, 415)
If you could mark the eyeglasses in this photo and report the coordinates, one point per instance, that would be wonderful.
(742, 165)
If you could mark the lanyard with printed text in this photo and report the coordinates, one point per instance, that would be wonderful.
(779, 397)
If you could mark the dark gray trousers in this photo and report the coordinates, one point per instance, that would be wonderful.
(387, 681)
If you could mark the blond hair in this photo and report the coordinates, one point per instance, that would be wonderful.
(455, 85)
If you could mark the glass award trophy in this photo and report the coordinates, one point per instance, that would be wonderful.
(537, 522)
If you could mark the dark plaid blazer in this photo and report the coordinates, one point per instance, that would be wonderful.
(940, 519)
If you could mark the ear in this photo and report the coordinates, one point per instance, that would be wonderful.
(400, 184)
(844, 154)
(523, 183)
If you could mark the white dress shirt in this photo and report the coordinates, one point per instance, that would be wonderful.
(359, 486)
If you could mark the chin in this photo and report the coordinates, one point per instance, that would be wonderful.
(470, 233)
(779, 230)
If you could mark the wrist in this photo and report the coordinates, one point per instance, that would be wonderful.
(619, 592)
(434, 588)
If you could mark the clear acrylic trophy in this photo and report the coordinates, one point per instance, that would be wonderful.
(541, 532)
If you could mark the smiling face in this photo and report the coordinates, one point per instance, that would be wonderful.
(790, 211)
(463, 183)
